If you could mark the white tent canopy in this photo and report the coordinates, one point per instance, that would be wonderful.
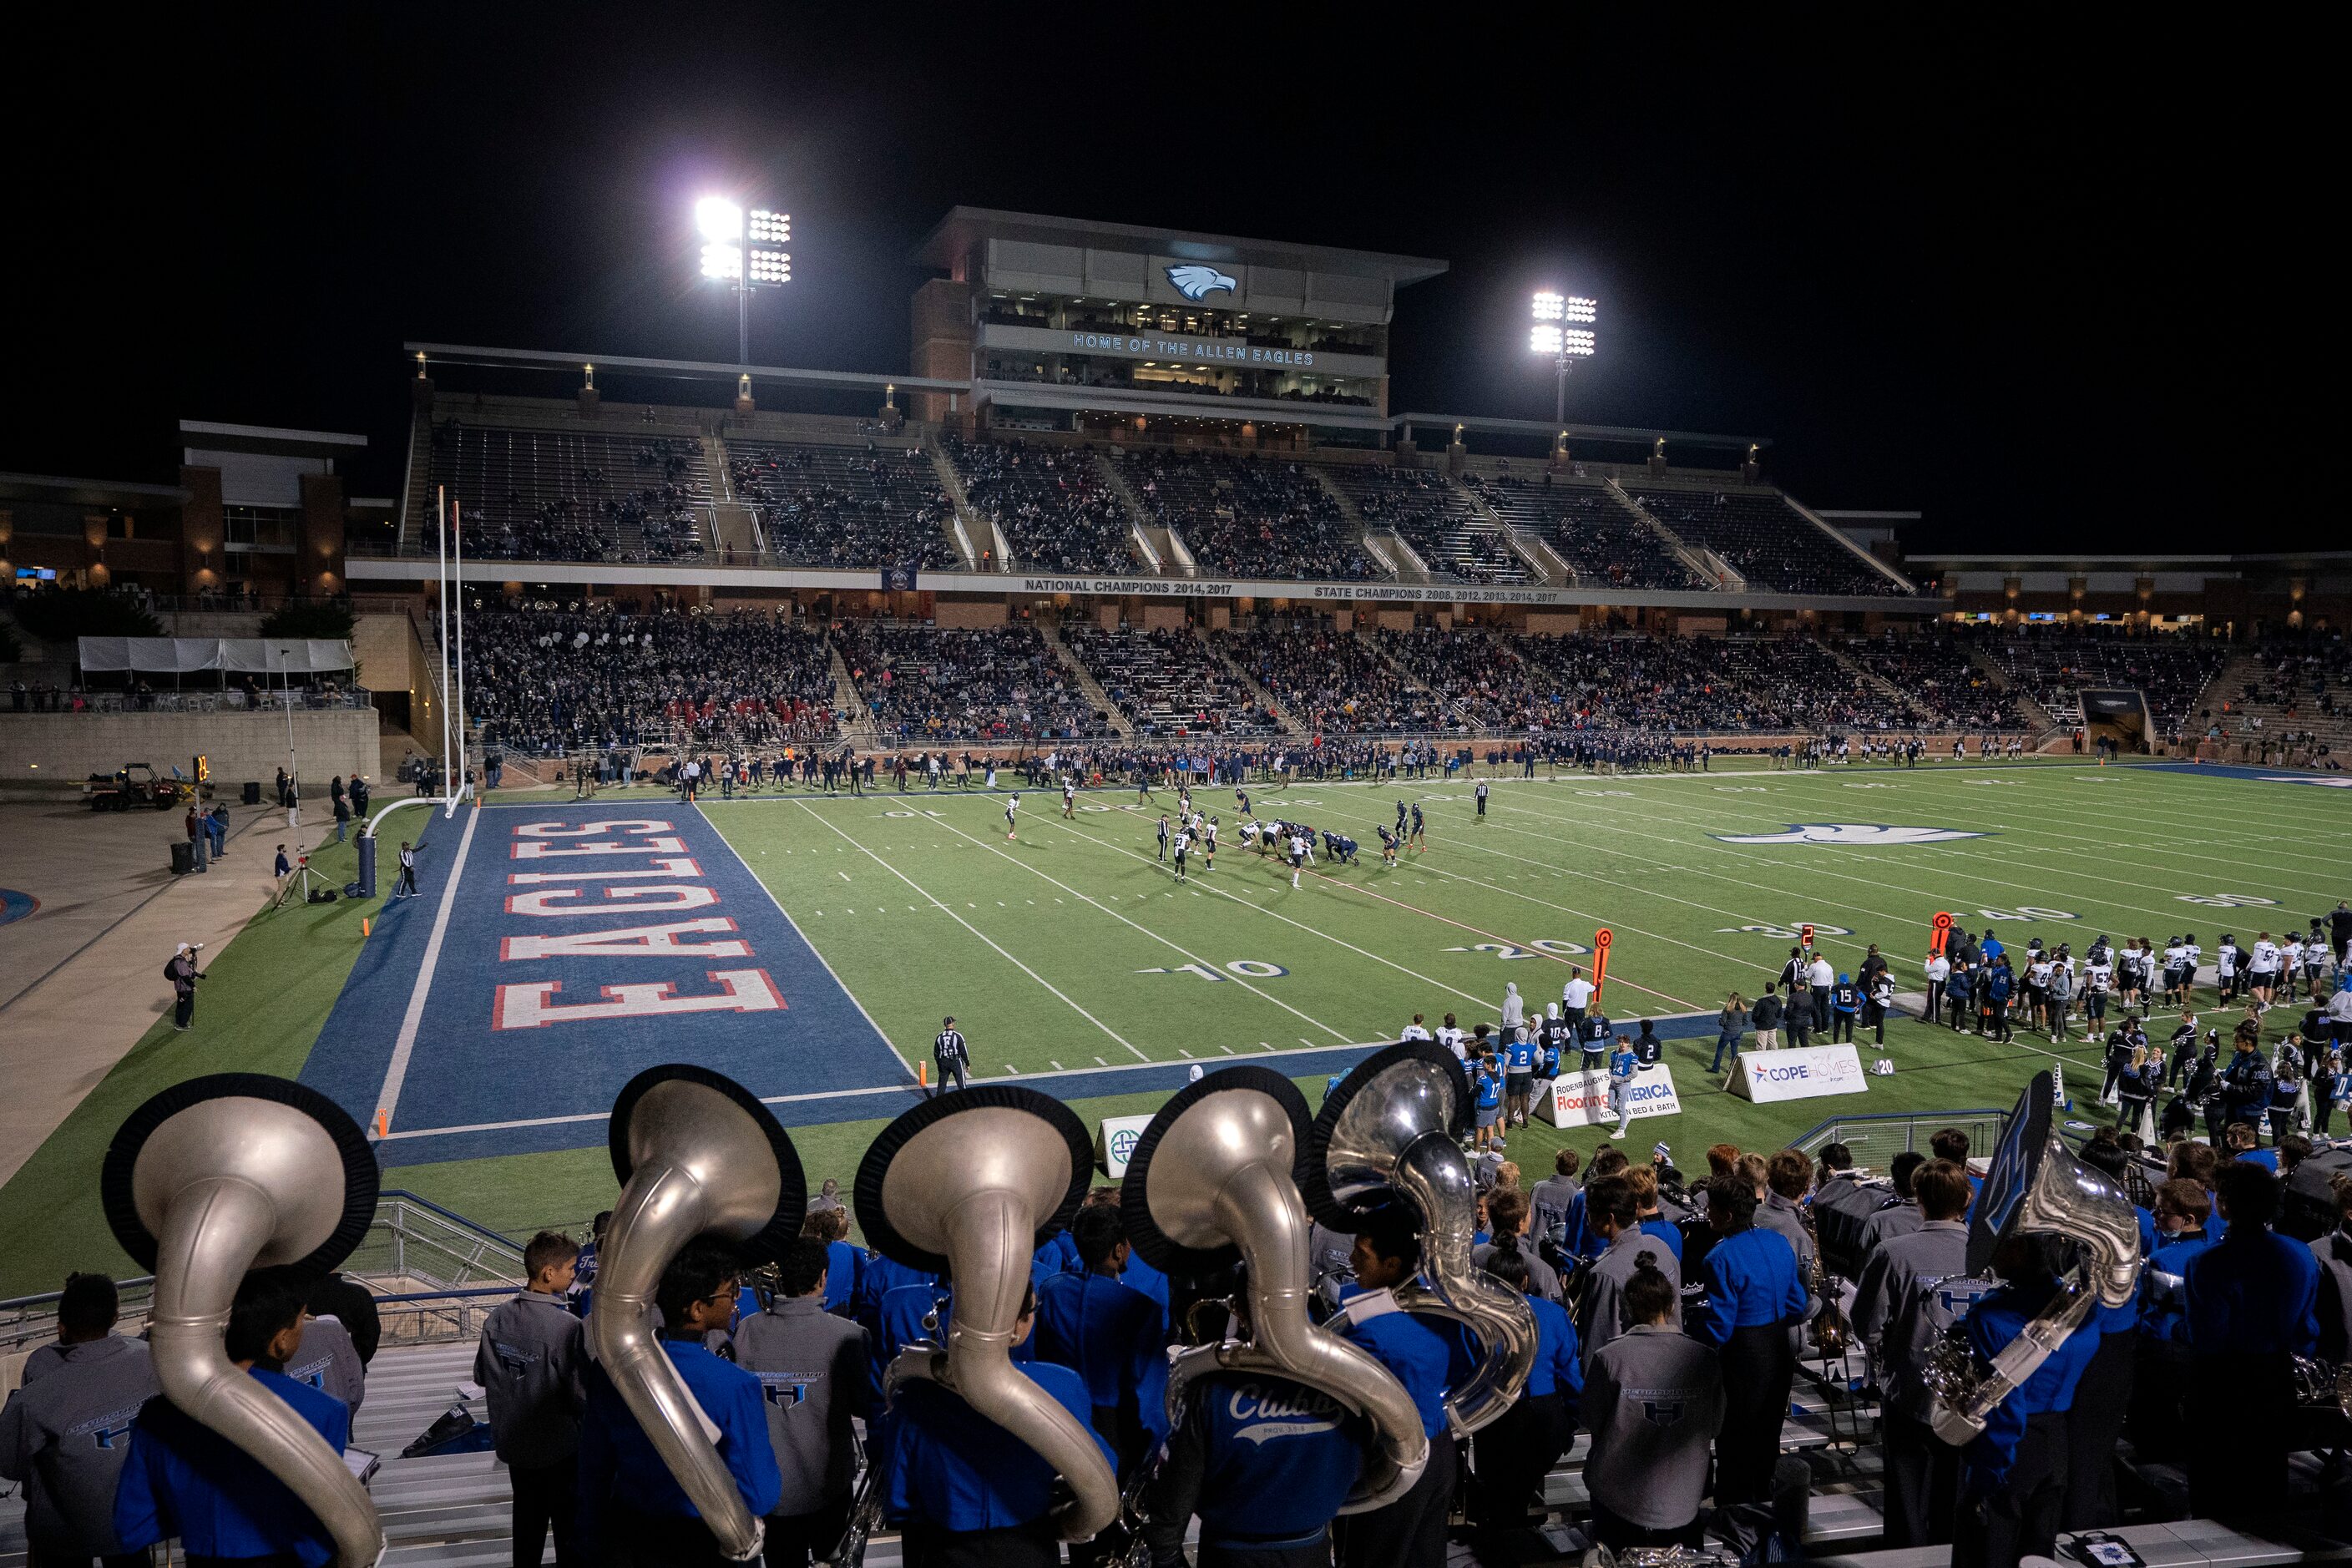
(181, 656)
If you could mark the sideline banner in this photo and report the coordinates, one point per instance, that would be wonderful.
(1116, 1140)
(1581, 1099)
(1769, 1077)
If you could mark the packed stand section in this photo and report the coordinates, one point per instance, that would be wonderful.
(2055, 666)
(545, 679)
(2300, 694)
(1595, 534)
(572, 495)
(845, 506)
(1777, 548)
(1169, 683)
(1054, 504)
(928, 684)
(1435, 517)
(1686, 685)
(1485, 683)
(1333, 682)
(1250, 516)
(1941, 680)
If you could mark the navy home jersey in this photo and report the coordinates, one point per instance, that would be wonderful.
(1262, 1461)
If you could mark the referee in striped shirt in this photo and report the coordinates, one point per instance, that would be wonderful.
(949, 1051)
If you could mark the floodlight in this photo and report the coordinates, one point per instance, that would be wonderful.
(1549, 306)
(771, 229)
(722, 261)
(1582, 309)
(1576, 340)
(1544, 339)
(716, 218)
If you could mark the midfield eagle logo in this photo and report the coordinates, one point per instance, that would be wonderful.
(1849, 832)
(1198, 282)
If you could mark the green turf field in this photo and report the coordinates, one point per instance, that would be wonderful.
(1070, 948)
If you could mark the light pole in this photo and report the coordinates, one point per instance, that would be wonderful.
(732, 232)
(1565, 343)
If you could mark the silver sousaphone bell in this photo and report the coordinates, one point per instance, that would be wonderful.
(970, 1184)
(697, 1156)
(207, 1181)
(1213, 1180)
(1389, 1133)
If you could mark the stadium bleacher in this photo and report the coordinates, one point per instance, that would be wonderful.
(2054, 665)
(1433, 515)
(845, 506)
(1264, 518)
(1594, 531)
(1054, 504)
(1936, 675)
(1168, 682)
(574, 495)
(1764, 539)
(925, 685)
(1333, 682)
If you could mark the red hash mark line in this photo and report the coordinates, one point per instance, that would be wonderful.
(1448, 919)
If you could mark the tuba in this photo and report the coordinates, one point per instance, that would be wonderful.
(972, 1184)
(216, 1176)
(1829, 1334)
(1389, 1133)
(2036, 1187)
(1213, 1179)
(697, 1156)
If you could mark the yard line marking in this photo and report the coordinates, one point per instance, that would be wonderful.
(975, 930)
(403, 1046)
(1057, 1066)
(845, 991)
(1156, 936)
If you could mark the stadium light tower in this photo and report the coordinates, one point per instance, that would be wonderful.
(1563, 329)
(730, 233)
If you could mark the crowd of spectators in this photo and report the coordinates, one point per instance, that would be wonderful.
(1250, 516)
(1434, 516)
(926, 684)
(1169, 683)
(544, 679)
(845, 506)
(1333, 682)
(1595, 534)
(1113, 375)
(2054, 665)
(1054, 504)
(1935, 671)
(1765, 540)
(1487, 684)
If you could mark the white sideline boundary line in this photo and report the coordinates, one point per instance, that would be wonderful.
(721, 835)
(396, 1072)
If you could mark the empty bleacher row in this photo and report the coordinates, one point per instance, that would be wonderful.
(1168, 682)
(1595, 534)
(1054, 505)
(845, 506)
(1763, 538)
(573, 495)
(924, 685)
(1435, 516)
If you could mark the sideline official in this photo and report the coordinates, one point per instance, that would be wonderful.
(951, 1055)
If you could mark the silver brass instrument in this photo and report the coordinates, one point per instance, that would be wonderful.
(2036, 1187)
(972, 1184)
(2319, 1385)
(211, 1178)
(1829, 1334)
(697, 1156)
(1213, 1179)
(1389, 1133)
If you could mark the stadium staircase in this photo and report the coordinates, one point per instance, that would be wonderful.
(968, 527)
(1159, 547)
(1084, 679)
(734, 531)
(856, 718)
(1543, 560)
(1871, 680)
(1380, 647)
(1709, 566)
(2031, 714)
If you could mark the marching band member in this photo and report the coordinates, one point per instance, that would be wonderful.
(1410, 1531)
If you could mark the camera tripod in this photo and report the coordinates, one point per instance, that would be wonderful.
(299, 884)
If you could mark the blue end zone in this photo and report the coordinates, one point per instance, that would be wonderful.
(584, 943)
(2260, 775)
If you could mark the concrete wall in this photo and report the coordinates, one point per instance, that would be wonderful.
(66, 748)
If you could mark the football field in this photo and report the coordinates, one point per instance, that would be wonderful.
(809, 947)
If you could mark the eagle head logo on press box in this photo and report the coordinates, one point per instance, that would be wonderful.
(1873, 833)
(1198, 282)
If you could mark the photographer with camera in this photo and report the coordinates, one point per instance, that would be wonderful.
(182, 973)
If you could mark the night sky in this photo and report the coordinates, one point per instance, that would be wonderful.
(2047, 287)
